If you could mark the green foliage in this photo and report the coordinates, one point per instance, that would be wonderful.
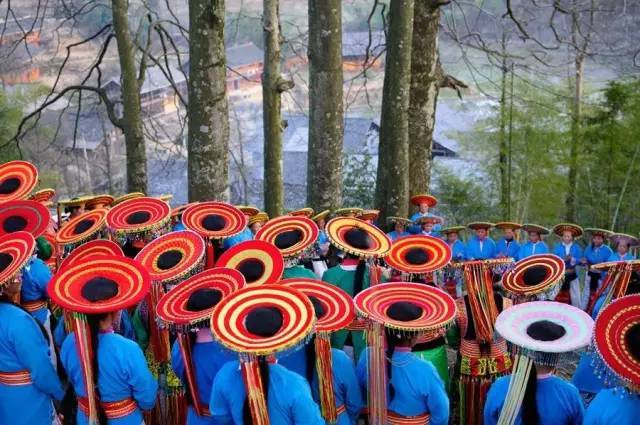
(10, 115)
(358, 180)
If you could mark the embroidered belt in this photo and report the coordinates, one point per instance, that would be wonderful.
(475, 363)
(357, 325)
(33, 306)
(395, 419)
(16, 379)
(113, 410)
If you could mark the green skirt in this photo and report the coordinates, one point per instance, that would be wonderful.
(438, 357)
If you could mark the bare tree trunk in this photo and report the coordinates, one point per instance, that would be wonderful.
(425, 86)
(392, 182)
(208, 112)
(273, 84)
(502, 150)
(576, 137)
(326, 121)
(132, 114)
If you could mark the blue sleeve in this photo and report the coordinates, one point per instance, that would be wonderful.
(303, 408)
(176, 361)
(468, 250)
(437, 398)
(612, 257)
(558, 249)
(493, 404)
(577, 252)
(41, 274)
(493, 252)
(577, 407)
(59, 333)
(361, 370)
(349, 385)
(545, 248)
(593, 415)
(143, 385)
(219, 406)
(33, 352)
(521, 252)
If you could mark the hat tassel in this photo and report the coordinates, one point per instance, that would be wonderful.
(377, 375)
(325, 378)
(250, 370)
(159, 337)
(185, 351)
(85, 353)
(210, 255)
(515, 392)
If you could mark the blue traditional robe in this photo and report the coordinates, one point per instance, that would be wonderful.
(179, 226)
(289, 401)
(457, 250)
(508, 248)
(613, 407)
(122, 374)
(245, 235)
(322, 237)
(617, 257)
(417, 386)
(574, 251)
(207, 359)
(125, 328)
(476, 250)
(558, 402)
(23, 348)
(585, 378)
(528, 249)
(35, 278)
(345, 384)
(596, 255)
(394, 236)
(417, 229)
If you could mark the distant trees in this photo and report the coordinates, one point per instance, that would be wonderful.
(326, 116)
(208, 111)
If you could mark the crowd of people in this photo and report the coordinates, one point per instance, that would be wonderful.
(125, 311)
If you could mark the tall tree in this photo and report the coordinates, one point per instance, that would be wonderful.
(392, 182)
(208, 111)
(324, 160)
(131, 121)
(425, 86)
(273, 85)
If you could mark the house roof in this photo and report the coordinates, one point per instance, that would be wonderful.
(154, 79)
(244, 54)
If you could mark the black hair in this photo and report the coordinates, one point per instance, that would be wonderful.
(358, 278)
(404, 311)
(534, 275)
(632, 341)
(251, 268)
(213, 222)
(264, 377)
(138, 217)
(203, 299)
(357, 238)
(94, 329)
(264, 321)
(545, 330)
(130, 250)
(530, 415)
(310, 348)
(417, 256)
(288, 239)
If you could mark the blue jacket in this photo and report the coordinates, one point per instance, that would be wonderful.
(508, 249)
(597, 255)
(35, 278)
(612, 406)
(528, 249)
(558, 402)
(23, 347)
(122, 374)
(415, 228)
(616, 257)
(457, 250)
(473, 251)
(575, 251)
(245, 235)
(418, 388)
(394, 236)
(289, 401)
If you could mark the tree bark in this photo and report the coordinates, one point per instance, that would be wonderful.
(208, 113)
(392, 182)
(273, 84)
(132, 114)
(502, 150)
(326, 114)
(576, 138)
(425, 85)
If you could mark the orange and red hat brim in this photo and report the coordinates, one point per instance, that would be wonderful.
(82, 227)
(42, 196)
(194, 218)
(437, 251)
(187, 249)
(132, 280)
(229, 316)
(172, 308)
(17, 180)
(277, 226)
(102, 201)
(438, 308)
(24, 215)
(610, 338)
(337, 305)
(92, 249)
(418, 200)
(258, 252)
(513, 280)
(19, 247)
(337, 227)
(138, 215)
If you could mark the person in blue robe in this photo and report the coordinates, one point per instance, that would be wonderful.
(122, 372)
(480, 246)
(207, 357)
(423, 211)
(535, 245)
(24, 349)
(414, 387)
(557, 401)
(569, 250)
(622, 244)
(35, 278)
(613, 406)
(595, 253)
(452, 238)
(179, 226)
(507, 245)
(399, 228)
(122, 327)
(245, 235)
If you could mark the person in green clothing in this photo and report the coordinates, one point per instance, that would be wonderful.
(294, 237)
(416, 259)
(352, 276)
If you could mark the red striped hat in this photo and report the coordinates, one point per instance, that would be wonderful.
(418, 254)
(17, 180)
(23, 215)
